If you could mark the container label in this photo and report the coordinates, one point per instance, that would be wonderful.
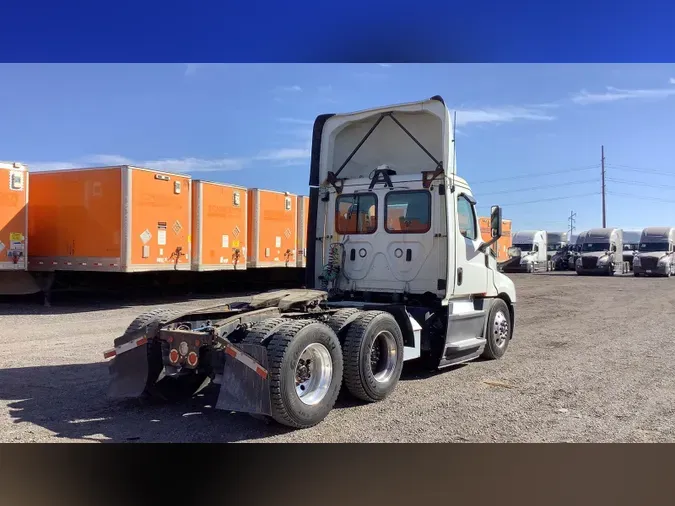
(226, 241)
(16, 180)
(2, 245)
(235, 243)
(161, 237)
(146, 236)
(278, 242)
(16, 246)
(16, 236)
(177, 227)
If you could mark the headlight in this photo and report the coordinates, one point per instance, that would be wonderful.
(636, 261)
(579, 262)
(602, 261)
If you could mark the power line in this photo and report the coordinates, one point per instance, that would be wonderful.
(639, 183)
(640, 197)
(551, 199)
(540, 174)
(642, 170)
(541, 187)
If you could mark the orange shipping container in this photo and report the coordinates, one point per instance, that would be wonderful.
(503, 244)
(220, 226)
(272, 228)
(303, 219)
(13, 216)
(120, 219)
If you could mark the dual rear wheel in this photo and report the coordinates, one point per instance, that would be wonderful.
(309, 361)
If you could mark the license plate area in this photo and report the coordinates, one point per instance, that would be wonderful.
(182, 347)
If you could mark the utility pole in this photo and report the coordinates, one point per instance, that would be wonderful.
(602, 153)
(571, 219)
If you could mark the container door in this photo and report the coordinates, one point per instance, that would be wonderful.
(13, 185)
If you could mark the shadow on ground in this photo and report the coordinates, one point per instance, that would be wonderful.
(71, 402)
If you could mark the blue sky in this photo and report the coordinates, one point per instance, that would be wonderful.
(251, 125)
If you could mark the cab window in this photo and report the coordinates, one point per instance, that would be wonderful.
(407, 212)
(356, 214)
(466, 218)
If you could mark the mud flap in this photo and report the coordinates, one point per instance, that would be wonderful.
(242, 389)
(129, 370)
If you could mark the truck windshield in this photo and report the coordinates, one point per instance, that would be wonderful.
(523, 246)
(595, 246)
(407, 212)
(555, 247)
(653, 246)
(356, 214)
(629, 247)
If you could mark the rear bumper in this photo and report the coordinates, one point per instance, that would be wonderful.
(593, 271)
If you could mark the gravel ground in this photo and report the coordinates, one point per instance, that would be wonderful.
(591, 361)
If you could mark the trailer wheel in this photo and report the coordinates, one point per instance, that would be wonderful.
(305, 366)
(498, 332)
(340, 320)
(373, 350)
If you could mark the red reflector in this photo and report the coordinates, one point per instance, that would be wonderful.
(261, 372)
(197, 342)
(192, 359)
(142, 341)
(109, 354)
(231, 352)
(173, 356)
(169, 339)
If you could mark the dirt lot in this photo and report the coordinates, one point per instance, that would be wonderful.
(591, 361)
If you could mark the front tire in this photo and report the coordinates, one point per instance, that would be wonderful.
(305, 367)
(498, 333)
(373, 350)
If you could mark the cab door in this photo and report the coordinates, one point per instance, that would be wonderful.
(471, 275)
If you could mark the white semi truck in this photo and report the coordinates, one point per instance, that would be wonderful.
(528, 252)
(655, 253)
(555, 242)
(396, 271)
(601, 252)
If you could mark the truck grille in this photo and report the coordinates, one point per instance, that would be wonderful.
(649, 263)
(589, 262)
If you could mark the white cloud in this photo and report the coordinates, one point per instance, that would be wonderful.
(189, 165)
(672, 80)
(505, 114)
(289, 89)
(385, 65)
(615, 94)
(296, 121)
(285, 154)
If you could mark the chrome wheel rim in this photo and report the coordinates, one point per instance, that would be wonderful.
(500, 329)
(383, 356)
(313, 374)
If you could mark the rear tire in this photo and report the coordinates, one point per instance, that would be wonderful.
(262, 331)
(498, 331)
(302, 395)
(373, 350)
(340, 321)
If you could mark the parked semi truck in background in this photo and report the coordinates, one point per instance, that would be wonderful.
(631, 241)
(601, 252)
(528, 253)
(555, 241)
(396, 271)
(655, 255)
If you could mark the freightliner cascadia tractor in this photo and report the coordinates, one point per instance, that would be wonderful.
(396, 271)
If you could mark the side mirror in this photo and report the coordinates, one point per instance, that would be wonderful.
(496, 222)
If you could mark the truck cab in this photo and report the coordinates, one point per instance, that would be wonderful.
(601, 252)
(631, 241)
(396, 271)
(655, 253)
(528, 252)
(555, 242)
